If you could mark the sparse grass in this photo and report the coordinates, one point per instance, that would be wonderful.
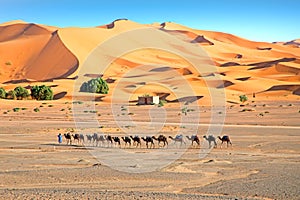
(77, 102)
(62, 109)
(5, 113)
(8, 63)
(23, 108)
(44, 103)
(185, 110)
(50, 105)
(264, 105)
(162, 103)
(247, 110)
(123, 109)
(101, 126)
(130, 113)
(290, 104)
(267, 112)
(16, 109)
(41, 106)
(261, 114)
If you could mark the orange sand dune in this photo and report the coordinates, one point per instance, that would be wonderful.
(31, 52)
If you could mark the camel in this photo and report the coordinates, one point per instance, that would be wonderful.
(136, 140)
(76, 137)
(126, 139)
(89, 138)
(194, 138)
(109, 140)
(148, 140)
(95, 137)
(98, 138)
(117, 140)
(211, 139)
(178, 138)
(81, 138)
(161, 138)
(68, 138)
(225, 138)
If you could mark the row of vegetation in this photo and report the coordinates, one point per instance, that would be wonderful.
(36, 92)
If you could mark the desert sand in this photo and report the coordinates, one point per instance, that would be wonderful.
(262, 163)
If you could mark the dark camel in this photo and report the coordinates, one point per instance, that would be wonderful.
(136, 140)
(127, 140)
(161, 138)
(225, 138)
(149, 140)
(76, 137)
(68, 138)
(194, 138)
(109, 140)
(117, 140)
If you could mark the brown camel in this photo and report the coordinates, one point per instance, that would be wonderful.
(76, 137)
(211, 139)
(148, 140)
(178, 138)
(127, 140)
(194, 138)
(161, 138)
(68, 138)
(225, 138)
(136, 140)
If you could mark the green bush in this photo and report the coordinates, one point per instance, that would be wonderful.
(243, 98)
(36, 110)
(21, 93)
(11, 95)
(41, 92)
(2, 93)
(16, 109)
(162, 103)
(97, 85)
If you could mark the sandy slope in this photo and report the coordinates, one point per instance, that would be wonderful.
(39, 52)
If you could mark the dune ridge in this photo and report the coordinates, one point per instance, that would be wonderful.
(33, 52)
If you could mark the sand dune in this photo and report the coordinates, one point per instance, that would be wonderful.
(32, 52)
(29, 51)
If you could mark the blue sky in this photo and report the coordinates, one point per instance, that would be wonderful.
(260, 20)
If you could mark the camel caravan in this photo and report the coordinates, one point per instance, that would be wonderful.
(101, 140)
